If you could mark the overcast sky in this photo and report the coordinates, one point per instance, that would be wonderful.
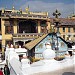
(66, 7)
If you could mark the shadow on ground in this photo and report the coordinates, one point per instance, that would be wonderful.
(68, 73)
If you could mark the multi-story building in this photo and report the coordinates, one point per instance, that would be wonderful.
(66, 27)
(20, 27)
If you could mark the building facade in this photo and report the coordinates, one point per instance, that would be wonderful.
(20, 27)
(66, 27)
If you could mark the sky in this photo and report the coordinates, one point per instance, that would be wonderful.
(65, 7)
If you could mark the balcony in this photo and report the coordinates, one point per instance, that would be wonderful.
(27, 35)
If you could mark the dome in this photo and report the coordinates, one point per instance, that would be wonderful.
(48, 53)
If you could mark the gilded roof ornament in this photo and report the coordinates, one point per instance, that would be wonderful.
(27, 9)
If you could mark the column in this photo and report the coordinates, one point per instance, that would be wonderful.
(3, 45)
(39, 27)
(15, 26)
(3, 35)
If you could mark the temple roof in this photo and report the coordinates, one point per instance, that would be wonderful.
(33, 43)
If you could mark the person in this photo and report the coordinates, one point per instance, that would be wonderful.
(1, 73)
(6, 70)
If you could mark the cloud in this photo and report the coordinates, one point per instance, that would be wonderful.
(65, 9)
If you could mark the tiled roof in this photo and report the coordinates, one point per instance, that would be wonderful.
(67, 21)
(64, 21)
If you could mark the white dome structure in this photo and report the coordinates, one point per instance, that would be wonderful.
(48, 53)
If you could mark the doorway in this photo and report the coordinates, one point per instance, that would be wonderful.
(27, 26)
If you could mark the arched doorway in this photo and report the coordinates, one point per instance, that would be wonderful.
(21, 43)
(27, 26)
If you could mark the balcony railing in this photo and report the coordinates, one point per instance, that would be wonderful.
(27, 35)
(15, 15)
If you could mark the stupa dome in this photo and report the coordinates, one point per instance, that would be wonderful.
(48, 53)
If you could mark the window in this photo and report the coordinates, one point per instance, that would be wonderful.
(69, 29)
(63, 29)
(8, 29)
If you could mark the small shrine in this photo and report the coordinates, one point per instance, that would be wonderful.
(37, 46)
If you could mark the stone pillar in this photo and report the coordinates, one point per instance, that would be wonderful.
(15, 26)
(3, 35)
(39, 27)
(48, 26)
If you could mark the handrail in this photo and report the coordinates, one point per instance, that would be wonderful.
(14, 70)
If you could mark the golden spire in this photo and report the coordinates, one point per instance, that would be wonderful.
(27, 9)
(2, 10)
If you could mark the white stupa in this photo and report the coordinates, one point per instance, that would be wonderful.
(48, 53)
